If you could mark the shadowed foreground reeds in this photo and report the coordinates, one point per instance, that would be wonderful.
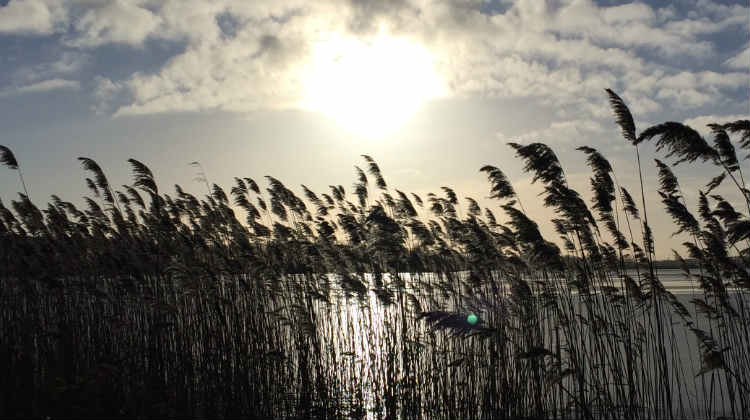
(146, 304)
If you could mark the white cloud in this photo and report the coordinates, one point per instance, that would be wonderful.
(700, 122)
(106, 94)
(115, 21)
(43, 86)
(257, 68)
(684, 98)
(66, 64)
(69, 62)
(718, 9)
(105, 89)
(32, 17)
(741, 61)
(683, 89)
(560, 133)
(566, 54)
(231, 79)
(705, 25)
(628, 13)
(631, 25)
(246, 55)
(643, 105)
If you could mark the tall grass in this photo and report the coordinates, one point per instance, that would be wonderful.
(146, 304)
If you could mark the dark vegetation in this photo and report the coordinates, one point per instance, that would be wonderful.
(148, 304)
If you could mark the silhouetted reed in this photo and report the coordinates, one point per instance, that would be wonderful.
(377, 303)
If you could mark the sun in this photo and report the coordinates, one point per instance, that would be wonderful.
(370, 87)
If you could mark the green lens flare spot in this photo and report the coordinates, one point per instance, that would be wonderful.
(472, 319)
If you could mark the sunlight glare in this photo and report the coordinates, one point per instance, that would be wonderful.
(369, 87)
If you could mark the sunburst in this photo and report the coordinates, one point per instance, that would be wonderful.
(370, 87)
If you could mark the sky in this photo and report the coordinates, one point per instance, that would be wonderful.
(299, 89)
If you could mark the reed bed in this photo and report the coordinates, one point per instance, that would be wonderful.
(380, 304)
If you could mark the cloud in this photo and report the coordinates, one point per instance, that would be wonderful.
(32, 17)
(259, 67)
(246, 55)
(628, 13)
(683, 89)
(700, 122)
(243, 75)
(43, 86)
(114, 21)
(64, 65)
(569, 132)
(741, 61)
(107, 95)
(630, 25)
(565, 54)
(642, 104)
(705, 25)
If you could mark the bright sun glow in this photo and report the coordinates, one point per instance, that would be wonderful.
(370, 87)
